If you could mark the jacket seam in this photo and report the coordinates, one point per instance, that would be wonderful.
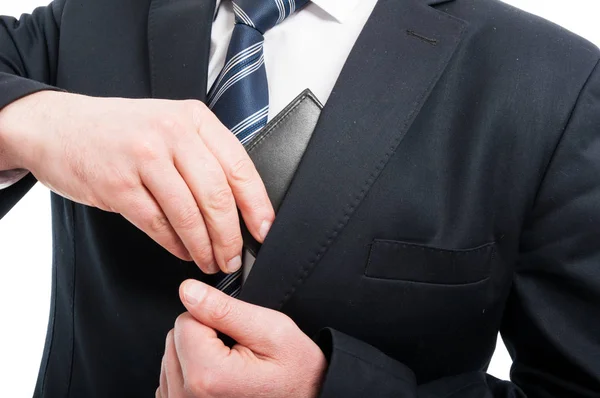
(53, 330)
(562, 134)
(74, 242)
(62, 12)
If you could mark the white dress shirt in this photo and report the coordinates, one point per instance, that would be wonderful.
(307, 50)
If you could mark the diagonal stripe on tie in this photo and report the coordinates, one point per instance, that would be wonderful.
(250, 120)
(243, 70)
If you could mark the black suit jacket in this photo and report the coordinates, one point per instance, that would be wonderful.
(451, 190)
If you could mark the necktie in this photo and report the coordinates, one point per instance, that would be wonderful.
(240, 95)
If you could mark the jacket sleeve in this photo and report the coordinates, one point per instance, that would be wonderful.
(551, 324)
(28, 63)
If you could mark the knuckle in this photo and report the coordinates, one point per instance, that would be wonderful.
(158, 223)
(171, 335)
(203, 255)
(242, 171)
(168, 124)
(202, 384)
(184, 323)
(120, 182)
(221, 200)
(147, 150)
(195, 105)
(284, 327)
(259, 205)
(188, 218)
(232, 243)
(102, 204)
(181, 321)
(218, 309)
(197, 109)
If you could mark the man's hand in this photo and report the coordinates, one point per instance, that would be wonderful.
(169, 167)
(273, 357)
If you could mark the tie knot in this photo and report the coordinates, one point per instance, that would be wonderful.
(262, 15)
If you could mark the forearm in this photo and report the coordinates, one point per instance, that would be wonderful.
(28, 62)
(29, 52)
(16, 121)
(11, 170)
(8, 158)
(16, 146)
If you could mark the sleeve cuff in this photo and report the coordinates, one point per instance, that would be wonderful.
(13, 88)
(357, 369)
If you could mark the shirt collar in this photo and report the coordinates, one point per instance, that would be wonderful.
(340, 10)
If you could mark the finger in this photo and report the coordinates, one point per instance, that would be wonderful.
(201, 353)
(205, 178)
(181, 211)
(174, 375)
(245, 182)
(260, 329)
(163, 388)
(142, 210)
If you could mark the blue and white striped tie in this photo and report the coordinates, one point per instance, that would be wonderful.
(240, 95)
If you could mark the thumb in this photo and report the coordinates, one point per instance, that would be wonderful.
(260, 329)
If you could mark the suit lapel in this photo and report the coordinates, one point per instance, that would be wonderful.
(179, 44)
(398, 58)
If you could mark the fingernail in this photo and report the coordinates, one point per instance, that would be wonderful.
(234, 264)
(194, 292)
(265, 227)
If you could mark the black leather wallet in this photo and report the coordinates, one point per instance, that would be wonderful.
(278, 149)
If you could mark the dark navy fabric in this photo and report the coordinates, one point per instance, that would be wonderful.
(455, 128)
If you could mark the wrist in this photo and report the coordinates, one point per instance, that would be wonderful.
(319, 369)
(19, 123)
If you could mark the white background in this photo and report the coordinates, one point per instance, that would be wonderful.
(25, 241)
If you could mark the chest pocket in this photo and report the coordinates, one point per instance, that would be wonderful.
(409, 262)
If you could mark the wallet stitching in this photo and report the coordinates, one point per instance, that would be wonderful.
(306, 269)
(283, 118)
